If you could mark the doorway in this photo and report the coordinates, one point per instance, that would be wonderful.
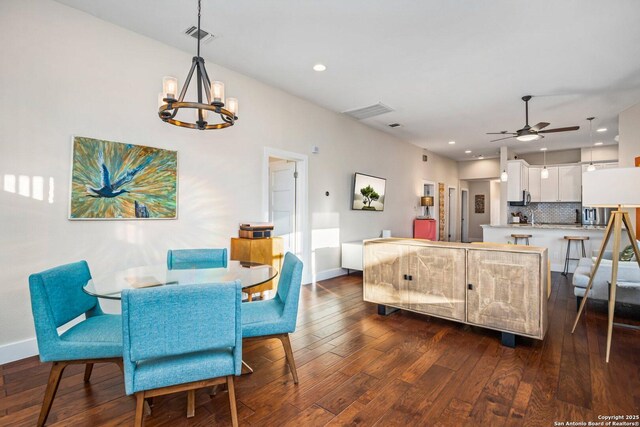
(452, 213)
(464, 215)
(285, 201)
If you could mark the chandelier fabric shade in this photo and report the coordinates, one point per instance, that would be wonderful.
(210, 98)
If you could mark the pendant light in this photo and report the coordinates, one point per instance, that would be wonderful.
(544, 173)
(591, 166)
(169, 104)
(504, 177)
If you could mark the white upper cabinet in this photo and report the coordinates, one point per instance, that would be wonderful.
(534, 184)
(518, 181)
(549, 191)
(570, 183)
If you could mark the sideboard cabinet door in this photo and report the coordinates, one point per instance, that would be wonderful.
(504, 291)
(437, 283)
(385, 265)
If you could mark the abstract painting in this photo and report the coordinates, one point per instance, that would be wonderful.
(479, 204)
(112, 180)
(368, 192)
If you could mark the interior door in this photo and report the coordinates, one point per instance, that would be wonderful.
(464, 208)
(282, 202)
(452, 214)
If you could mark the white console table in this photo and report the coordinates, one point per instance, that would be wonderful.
(352, 255)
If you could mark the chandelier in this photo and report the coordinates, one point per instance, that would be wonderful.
(169, 105)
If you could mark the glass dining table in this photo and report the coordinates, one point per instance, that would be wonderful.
(110, 286)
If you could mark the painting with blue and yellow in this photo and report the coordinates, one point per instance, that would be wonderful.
(112, 180)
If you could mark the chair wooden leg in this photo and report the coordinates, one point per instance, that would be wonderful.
(52, 387)
(139, 409)
(191, 403)
(289, 352)
(87, 372)
(232, 401)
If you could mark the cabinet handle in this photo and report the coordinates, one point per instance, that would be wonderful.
(405, 277)
(470, 286)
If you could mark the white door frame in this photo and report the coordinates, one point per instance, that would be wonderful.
(452, 228)
(465, 226)
(302, 201)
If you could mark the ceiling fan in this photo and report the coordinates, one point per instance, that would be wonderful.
(530, 133)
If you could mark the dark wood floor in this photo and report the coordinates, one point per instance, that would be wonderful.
(357, 368)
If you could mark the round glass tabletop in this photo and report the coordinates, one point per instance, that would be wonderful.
(109, 286)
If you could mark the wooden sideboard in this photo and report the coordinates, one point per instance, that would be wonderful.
(493, 286)
(266, 251)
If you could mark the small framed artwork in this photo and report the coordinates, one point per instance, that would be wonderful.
(112, 180)
(479, 204)
(368, 192)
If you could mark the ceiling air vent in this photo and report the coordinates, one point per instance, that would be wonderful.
(370, 111)
(394, 125)
(203, 36)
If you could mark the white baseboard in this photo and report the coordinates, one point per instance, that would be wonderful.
(18, 350)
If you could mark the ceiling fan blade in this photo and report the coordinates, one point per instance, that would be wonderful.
(500, 139)
(539, 126)
(567, 129)
(501, 133)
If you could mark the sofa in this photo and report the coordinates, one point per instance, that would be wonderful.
(628, 271)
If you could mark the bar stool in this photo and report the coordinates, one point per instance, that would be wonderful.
(568, 258)
(524, 237)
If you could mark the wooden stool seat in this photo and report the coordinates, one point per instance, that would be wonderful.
(577, 239)
(524, 237)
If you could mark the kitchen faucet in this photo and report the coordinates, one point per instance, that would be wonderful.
(532, 215)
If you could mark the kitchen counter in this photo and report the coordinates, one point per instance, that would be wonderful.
(549, 236)
(550, 226)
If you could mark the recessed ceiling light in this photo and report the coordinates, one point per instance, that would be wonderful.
(451, 142)
(599, 143)
(467, 151)
(480, 157)
(543, 149)
(319, 67)
(601, 130)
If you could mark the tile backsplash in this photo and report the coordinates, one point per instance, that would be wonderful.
(554, 213)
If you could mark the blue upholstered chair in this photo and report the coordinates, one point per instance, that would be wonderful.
(56, 298)
(183, 259)
(276, 318)
(181, 338)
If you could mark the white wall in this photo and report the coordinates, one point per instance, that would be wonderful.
(553, 157)
(477, 219)
(73, 74)
(608, 153)
(479, 169)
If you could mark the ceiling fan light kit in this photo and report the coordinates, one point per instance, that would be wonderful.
(530, 133)
(170, 105)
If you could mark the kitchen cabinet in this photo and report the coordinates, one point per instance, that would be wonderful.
(518, 179)
(570, 183)
(563, 185)
(549, 190)
(500, 287)
(535, 184)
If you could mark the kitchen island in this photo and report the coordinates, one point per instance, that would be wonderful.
(550, 236)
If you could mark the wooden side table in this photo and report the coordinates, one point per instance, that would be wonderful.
(265, 251)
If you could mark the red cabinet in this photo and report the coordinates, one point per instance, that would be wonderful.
(424, 229)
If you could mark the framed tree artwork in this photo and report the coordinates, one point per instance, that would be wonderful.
(368, 192)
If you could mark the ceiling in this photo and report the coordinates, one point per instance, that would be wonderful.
(451, 69)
